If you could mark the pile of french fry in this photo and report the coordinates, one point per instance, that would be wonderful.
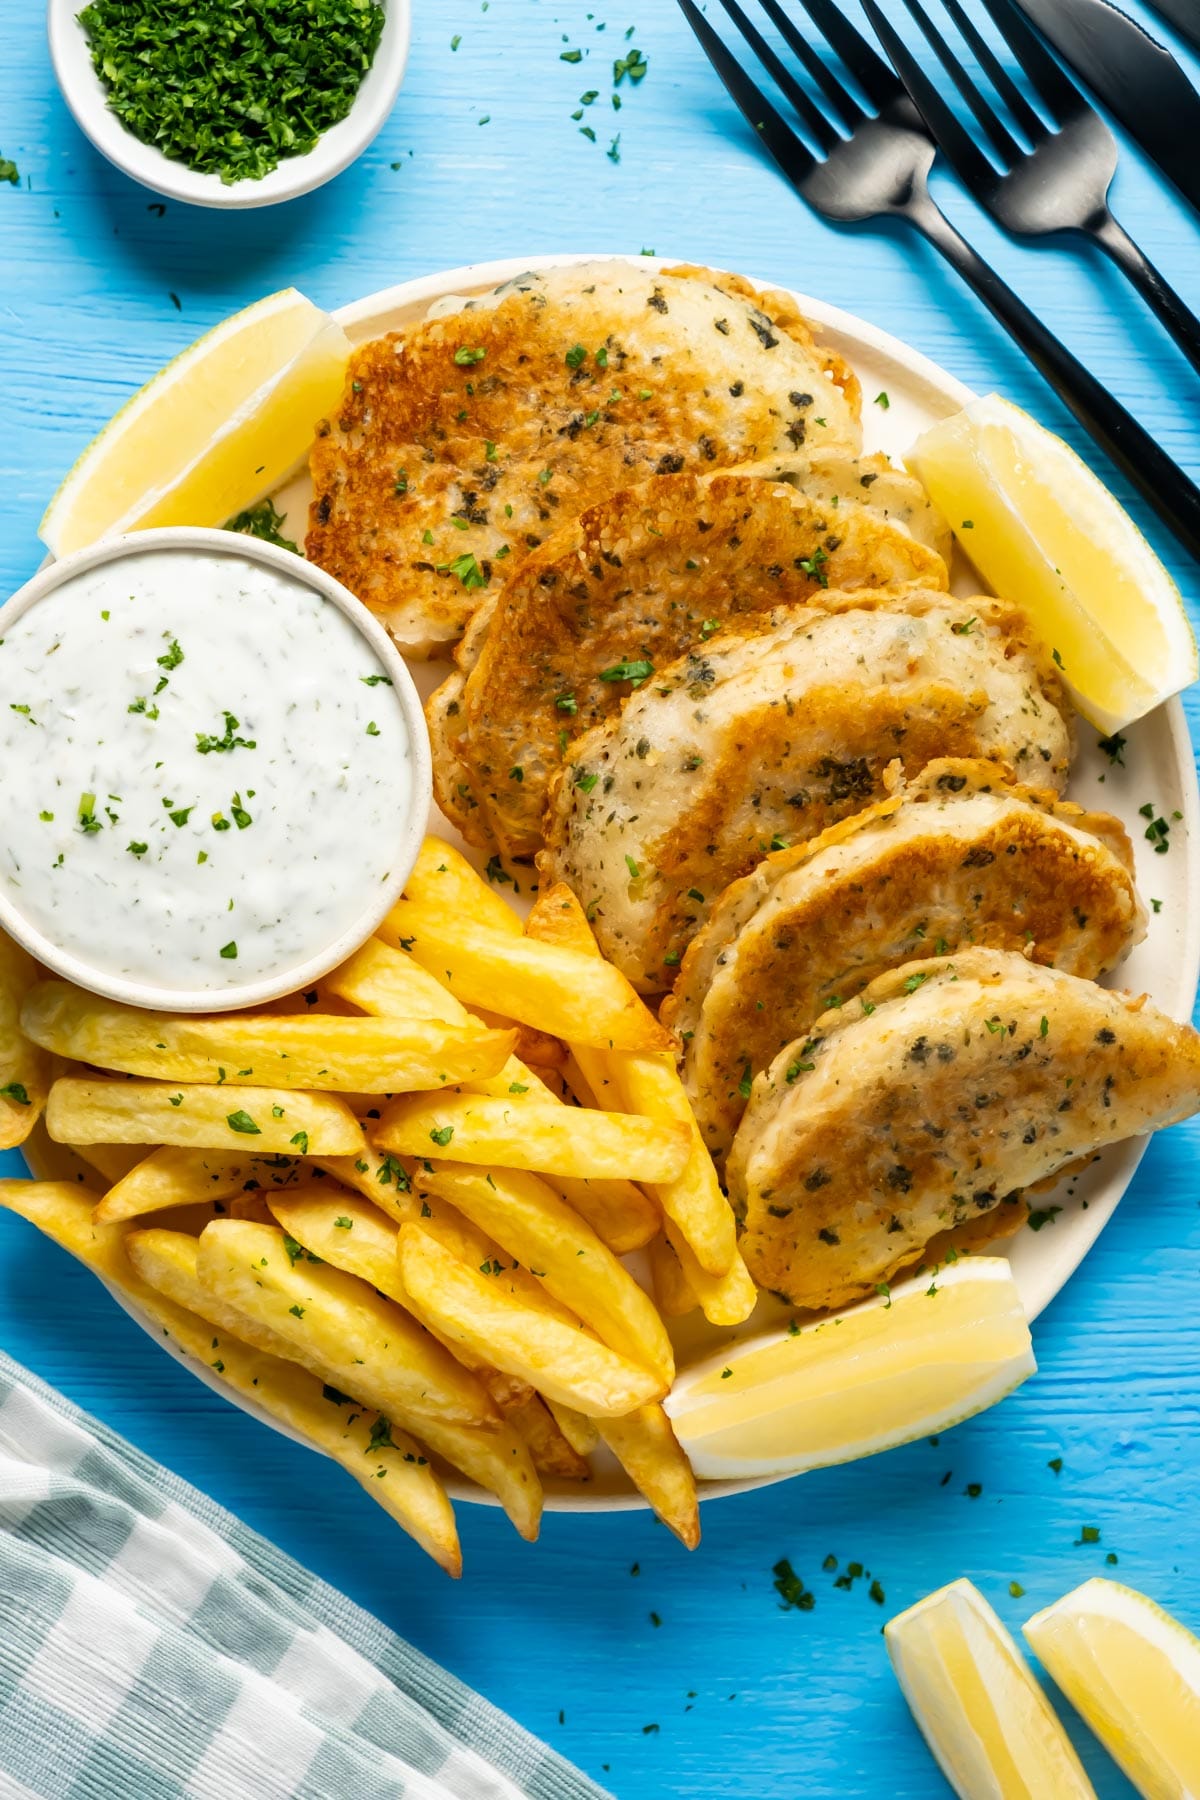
(391, 1211)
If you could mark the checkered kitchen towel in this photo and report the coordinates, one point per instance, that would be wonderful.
(154, 1648)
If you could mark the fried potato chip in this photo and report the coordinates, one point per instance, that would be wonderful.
(672, 1295)
(25, 1069)
(381, 979)
(579, 1431)
(100, 1111)
(362, 1444)
(445, 881)
(339, 1327)
(535, 1226)
(560, 1360)
(375, 1056)
(646, 1448)
(491, 1455)
(647, 1085)
(522, 1132)
(390, 1466)
(542, 985)
(727, 1299)
(171, 1176)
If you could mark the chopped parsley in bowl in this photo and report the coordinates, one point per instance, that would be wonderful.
(230, 102)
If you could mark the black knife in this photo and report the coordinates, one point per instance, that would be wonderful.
(1184, 15)
(1135, 76)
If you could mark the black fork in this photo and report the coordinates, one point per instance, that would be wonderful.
(875, 165)
(1061, 183)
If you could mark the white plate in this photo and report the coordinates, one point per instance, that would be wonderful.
(1160, 769)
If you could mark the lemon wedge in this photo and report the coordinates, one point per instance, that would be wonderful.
(212, 433)
(992, 1730)
(1133, 1672)
(908, 1364)
(1044, 532)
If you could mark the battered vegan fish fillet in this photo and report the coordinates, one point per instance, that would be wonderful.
(640, 577)
(959, 856)
(758, 741)
(463, 441)
(947, 1088)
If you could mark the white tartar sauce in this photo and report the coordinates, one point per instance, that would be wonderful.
(206, 770)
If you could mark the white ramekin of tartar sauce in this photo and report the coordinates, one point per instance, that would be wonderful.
(215, 767)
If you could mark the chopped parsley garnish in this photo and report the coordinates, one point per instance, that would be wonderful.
(241, 817)
(913, 982)
(301, 1142)
(172, 656)
(634, 670)
(206, 743)
(566, 703)
(1113, 747)
(441, 1134)
(465, 356)
(15, 1091)
(813, 566)
(9, 171)
(467, 570)
(263, 521)
(791, 1590)
(229, 951)
(372, 729)
(137, 849)
(241, 1121)
(881, 399)
(86, 816)
(232, 90)
(375, 680)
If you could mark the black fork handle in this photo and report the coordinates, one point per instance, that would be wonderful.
(1158, 293)
(1159, 480)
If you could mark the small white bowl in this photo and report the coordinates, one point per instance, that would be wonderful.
(87, 98)
(411, 823)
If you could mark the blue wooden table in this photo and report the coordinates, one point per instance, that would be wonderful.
(660, 1673)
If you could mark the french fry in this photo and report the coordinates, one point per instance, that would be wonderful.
(171, 1176)
(339, 1327)
(560, 1360)
(443, 879)
(278, 1120)
(113, 1161)
(533, 1047)
(647, 1085)
(492, 1455)
(727, 1299)
(367, 1445)
(672, 1295)
(523, 1132)
(533, 1224)
(375, 1056)
(410, 1492)
(645, 1446)
(579, 1431)
(381, 980)
(25, 1069)
(552, 1451)
(352, 1235)
(553, 989)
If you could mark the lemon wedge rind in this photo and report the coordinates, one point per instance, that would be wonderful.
(905, 1365)
(990, 1727)
(1133, 1673)
(221, 426)
(1046, 533)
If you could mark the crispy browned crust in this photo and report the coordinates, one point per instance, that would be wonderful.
(526, 434)
(776, 949)
(772, 735)
(947, 1087)
(643, 575)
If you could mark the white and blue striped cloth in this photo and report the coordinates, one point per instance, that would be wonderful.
(152, 1647)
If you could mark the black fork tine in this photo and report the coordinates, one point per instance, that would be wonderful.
(838, 96)
(1058, 91)
(1005, 144)
(1031, 124)
(870, 71)
(945, 128)
(792, 155)
(783, 77)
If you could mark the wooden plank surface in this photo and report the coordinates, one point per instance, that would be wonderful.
(728, 1695)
